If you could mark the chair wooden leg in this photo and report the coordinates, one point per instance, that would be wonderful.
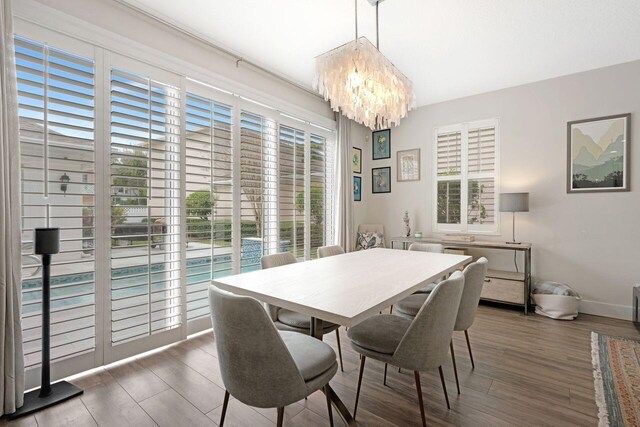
(444, 387)
(384, 380)
(419, 390)
(224, 407)
(363, 359)
(466, 334)
(339, 349)
(455, 368)
(280, 416)
(391, 310)
(327, 394)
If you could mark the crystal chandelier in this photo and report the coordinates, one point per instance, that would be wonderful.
(362, 84)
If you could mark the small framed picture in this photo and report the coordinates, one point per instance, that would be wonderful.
(356, 160)
(408, 165)
(357, 188)
(381, 180)
(381, 144)
(598, 154)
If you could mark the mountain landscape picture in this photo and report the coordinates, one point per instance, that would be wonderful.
(598, 154)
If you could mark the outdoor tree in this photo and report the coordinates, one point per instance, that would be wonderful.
(449, 203)
(476, 210)
(251, 179)
(200, 204)
(317, 203)
(129, 172)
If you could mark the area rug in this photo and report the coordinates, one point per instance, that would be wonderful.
(616, 371)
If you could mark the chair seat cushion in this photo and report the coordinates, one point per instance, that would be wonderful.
(412, 304)
(381, 333)
(298, 320)
(427, 289)
(312, 356)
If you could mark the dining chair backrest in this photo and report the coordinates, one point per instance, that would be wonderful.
(427, 247)
(425, 345)
(474, 275)
(371, 228)
(276, 260)
(326, 251)
(435, 248)
(255, 364)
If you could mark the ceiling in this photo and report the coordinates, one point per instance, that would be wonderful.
(449, 49)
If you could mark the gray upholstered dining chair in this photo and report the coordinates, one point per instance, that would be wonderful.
(287, 320)
(436, 248)
(327, 251)
(261, 366)
(474, 275)
(420, 344)
(421, 247)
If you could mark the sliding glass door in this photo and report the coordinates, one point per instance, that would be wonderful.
(56, 91)
(145, 208)
(159, 184)
(209, 161)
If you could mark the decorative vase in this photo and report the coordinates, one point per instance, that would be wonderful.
(407, 229)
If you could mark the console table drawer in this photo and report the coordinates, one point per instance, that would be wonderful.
(503, 290)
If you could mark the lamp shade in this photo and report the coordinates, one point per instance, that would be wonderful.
(514, 202)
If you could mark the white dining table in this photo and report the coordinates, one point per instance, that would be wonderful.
(344, 289)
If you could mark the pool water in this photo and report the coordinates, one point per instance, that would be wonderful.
(78, 289)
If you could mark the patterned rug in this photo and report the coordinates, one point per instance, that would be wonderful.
(616, 370)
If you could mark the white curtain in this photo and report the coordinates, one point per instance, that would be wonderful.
(344, 185)
(11, 357)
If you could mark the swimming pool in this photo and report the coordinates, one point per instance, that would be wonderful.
(78, 289)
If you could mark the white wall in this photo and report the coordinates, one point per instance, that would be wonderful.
(590, 241)
(361, 138)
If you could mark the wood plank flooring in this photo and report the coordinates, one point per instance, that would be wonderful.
(530, 370)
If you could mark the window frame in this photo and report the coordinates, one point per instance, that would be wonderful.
(464, 176)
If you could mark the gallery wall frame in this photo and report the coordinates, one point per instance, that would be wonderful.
(381, 180)
(598, 154)
(356, 160)
(408, 165)
(381, 144)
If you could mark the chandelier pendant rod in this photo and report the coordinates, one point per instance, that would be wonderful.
(377, 28)
(356, 13)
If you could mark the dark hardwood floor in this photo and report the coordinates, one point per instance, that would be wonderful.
(530, 370)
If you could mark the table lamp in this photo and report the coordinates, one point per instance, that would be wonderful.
(514, 202)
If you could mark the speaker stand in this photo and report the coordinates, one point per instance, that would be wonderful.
(33, 402)
(47, 243)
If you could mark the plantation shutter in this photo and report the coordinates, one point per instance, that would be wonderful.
(321, 197)
(258, 187)
(56, 97)
(481, 207)
(291, 190)
(449, 170)
(209, 199)
(466, 177)
(145, 207)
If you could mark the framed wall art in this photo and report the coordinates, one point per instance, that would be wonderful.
(357, 188)
(408, 167)
(598, 154)
(356, 160)
(381, 180)
(381, 148)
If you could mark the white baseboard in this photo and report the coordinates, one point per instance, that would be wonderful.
(624, 312)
